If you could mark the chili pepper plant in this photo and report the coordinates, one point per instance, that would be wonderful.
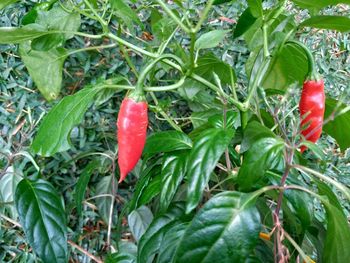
(216, 150)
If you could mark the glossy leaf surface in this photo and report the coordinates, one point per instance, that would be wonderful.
(43, 219)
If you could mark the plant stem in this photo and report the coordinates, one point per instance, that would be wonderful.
(312, 72)
(213, 87)
(149, 67)
(91, 48)
(244, 119)
(165, 116)
(98, 17)
(192, 52)
(204, 16)
(173, 16)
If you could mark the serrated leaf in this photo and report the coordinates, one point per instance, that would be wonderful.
(226, 229)
(45, 68)
(82, 183)
(43, 219)
(210, 39)
(260, 157)
(202, 160)
(151, 240)
(53, 134)
(139, 220)
(339, 23)
(173, 171)
(166, 141)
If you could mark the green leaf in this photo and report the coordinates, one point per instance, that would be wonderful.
(170, 242)
(173, 171)
(5, 3)
(258, 159)
(337, 243)
(245, 21)
(325, 190)
(339, 127)
(202, 161)
(8, 185)
(124, 12)
(120, 258)
(151, 240)
(105, 187)
(288, 67)
(254, 132)
(16, 35)
(56, 19)
(82, 184)
(219, 2)
(317, 4)
(226, 229)
(256, 8)
(211, 39)
(139, 220)
(45, 68)
(43, 219)
(209, 63)
(339, 23)
(54, 130)
(166, 141)
(147, 187)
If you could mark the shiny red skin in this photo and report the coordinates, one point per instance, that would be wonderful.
(312, 107)
(132, 129)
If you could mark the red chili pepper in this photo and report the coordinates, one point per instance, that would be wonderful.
(312, 106)
(132, 128)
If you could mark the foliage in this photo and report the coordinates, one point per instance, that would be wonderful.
(221, 176)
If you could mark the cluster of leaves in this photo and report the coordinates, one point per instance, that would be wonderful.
(201, 141)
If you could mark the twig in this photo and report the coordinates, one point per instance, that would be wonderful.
(98, 260)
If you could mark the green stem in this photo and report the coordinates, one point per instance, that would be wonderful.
(98, 17)
(165, 116)
(312, 73)
(204, 16)
(192, 52)
(258, 76)
(149, 67)
(244, 119)
(156, 89)
(127, 57)
(132, 46)
(173, 16)
(91, 48)
(266, 41)
(233, 85)
(210, 85)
